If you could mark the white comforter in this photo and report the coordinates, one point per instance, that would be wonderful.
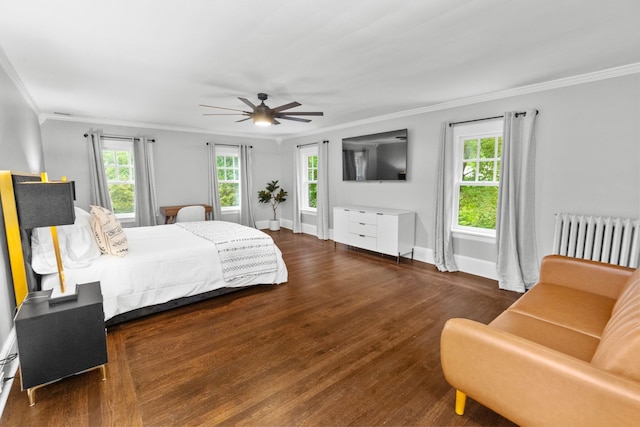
(164, 263)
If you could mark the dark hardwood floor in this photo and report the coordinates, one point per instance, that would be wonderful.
(351, 339)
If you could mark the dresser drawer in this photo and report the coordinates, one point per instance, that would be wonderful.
(364, 229)
(363, 217)
(364, 242)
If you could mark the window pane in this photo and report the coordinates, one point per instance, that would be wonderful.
(498, 170)
(315, 161)
(108, 157)
(123, 174)
(220, 174)
(110, 171)
(121, 198)
(499, 147)
(469, 171)
(478, 206)
(229, 193)
(123, 157)
(315, 175)
(220, 161)
(485, 171)
(487, 148)
(471, 149)
(228, 160)
(313, 195)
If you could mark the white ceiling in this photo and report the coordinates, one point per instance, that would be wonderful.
(151, 62)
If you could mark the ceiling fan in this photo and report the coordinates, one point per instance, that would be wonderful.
(262, 115)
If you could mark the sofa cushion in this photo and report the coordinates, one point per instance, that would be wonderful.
(567, 307)
(619, 349)
(568, 341)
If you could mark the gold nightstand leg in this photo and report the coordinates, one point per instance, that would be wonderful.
(103, 372)
(31, 393)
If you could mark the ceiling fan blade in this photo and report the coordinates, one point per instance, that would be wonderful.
(295, 119)
(222, 108)
(222, 114)
(286, 106)
(306, 113)
(275, 122)
(242, 120)
(246, 101)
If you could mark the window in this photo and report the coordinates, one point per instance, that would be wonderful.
(478, 154)
(309, 178)
(228, 165)
(119, 169)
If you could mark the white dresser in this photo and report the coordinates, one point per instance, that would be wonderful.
(388, 231)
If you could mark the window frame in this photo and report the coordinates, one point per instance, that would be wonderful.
(114, 145)
(462, 132)
(303, 179)
(229, 151)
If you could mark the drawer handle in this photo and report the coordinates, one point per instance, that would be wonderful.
(362, 223)
(361, 235)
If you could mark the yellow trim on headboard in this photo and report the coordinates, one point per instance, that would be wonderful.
(12, 230)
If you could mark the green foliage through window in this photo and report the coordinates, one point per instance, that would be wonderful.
(119, 169)
(479, 180)
(228, 167)
(312, 180)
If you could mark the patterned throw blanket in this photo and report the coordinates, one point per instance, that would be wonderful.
(242, 250)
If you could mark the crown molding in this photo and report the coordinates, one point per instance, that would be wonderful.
(101, 121)
(5, 64)
(523, 90)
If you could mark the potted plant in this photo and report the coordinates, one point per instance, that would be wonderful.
(274, 197)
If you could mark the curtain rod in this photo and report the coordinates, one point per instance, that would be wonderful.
(312, 143)
(120, 137)
(228, 145)
(520, 113)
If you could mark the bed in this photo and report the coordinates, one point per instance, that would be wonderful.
(165, 266)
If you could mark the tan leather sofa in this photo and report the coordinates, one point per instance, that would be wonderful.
(566, 353)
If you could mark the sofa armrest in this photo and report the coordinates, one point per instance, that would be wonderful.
(531, 384)
(595, 277)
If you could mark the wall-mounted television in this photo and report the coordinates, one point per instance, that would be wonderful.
(376, 157)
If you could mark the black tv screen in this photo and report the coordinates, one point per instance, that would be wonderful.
(376, 157)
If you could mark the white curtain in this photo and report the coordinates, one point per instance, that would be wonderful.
(246, 187)
(517, 264)
(443, 252)
(322, 194)
(145, 181)
(214, 193)
(296, 193)
(99, 189)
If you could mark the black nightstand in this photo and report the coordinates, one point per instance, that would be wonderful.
(56, 340)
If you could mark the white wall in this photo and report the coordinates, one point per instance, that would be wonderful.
(587, 159)
(180, 160)
(20, 150)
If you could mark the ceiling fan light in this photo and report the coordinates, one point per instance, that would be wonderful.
(261, 119)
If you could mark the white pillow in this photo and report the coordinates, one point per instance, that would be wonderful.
(78, 247)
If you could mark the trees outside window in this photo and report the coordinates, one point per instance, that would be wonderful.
(309, 178)
(228, 166)
(479, 151)
(119, 169)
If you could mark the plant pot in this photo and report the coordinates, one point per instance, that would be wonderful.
(274, 224)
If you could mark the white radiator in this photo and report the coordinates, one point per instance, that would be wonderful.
(605, 239)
